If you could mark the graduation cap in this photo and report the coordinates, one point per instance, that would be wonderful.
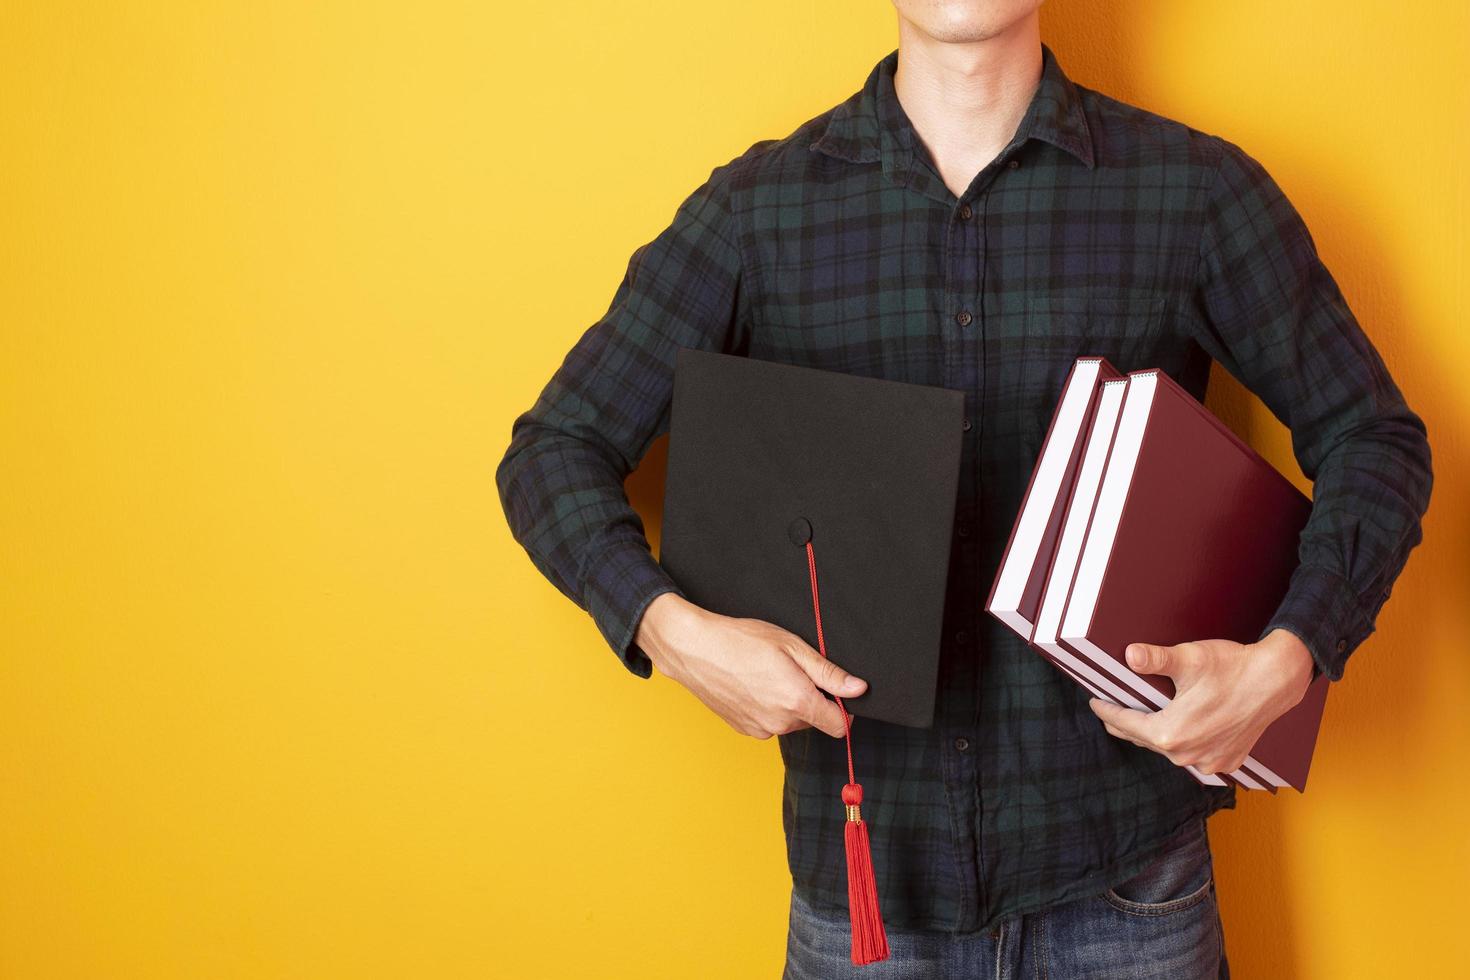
(782, 479)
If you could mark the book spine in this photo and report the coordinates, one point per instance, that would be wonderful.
(1031, 480)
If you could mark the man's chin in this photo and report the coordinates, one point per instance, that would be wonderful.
(962, 36)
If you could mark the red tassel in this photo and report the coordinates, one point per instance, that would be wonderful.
(869, 940)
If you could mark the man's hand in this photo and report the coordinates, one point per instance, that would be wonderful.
(760, 678)
(1226, 695)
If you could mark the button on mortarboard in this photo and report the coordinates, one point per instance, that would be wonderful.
(761, 455)
(799, 531)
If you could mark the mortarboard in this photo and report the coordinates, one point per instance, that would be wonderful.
(782, 477)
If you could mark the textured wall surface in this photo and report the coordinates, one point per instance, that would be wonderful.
(279, 695)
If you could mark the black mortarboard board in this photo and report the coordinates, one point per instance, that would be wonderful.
(763, 457)
(780, 477)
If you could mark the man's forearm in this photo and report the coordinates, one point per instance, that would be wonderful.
(1369, 495)
(566, 505)
(1268, 310)
(561, 481)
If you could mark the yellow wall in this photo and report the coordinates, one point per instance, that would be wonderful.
(280, 697)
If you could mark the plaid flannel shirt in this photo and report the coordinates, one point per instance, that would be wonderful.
(1100, 229)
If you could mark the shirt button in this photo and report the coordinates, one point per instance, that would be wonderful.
(962, 744)
(1341, 646)
(965, 424)
(961, 638)
(1014, 164)
(962, 529)
(965, 213)
(963, 318)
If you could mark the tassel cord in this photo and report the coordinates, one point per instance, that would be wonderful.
(811, 564)
(869, 938)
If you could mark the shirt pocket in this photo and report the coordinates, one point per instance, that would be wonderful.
(1123, 325)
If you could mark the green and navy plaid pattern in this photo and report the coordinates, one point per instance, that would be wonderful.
(1100, 229)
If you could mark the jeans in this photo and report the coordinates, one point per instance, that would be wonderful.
(1162, 923)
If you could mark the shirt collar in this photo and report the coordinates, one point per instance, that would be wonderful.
(871, 125)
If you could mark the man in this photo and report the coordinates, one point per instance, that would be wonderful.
(973, 220)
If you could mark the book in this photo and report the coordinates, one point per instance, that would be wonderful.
(1034, 586)
(1192, 536)
(1016, 592)
(1046, 562)
(1064, 564)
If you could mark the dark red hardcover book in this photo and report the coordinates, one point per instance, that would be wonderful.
(1193, 536)
(1028, 563)
(1063, 565)
(1015, 595)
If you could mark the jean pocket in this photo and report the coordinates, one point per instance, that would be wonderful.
(1179, 878)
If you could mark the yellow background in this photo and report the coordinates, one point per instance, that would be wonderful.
(279, 695)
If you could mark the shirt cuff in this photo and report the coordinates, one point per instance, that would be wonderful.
(1323, 611)
(620, 581)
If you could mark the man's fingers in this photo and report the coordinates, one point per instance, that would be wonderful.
(824, 673)
(1130, 723)
(825, 715)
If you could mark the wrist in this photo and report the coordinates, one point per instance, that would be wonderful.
(1291, 661)
(664, 620)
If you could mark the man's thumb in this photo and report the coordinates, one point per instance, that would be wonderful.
(825, 674)
(1149, 659)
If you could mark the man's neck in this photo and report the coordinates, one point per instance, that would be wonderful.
(967, 99)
